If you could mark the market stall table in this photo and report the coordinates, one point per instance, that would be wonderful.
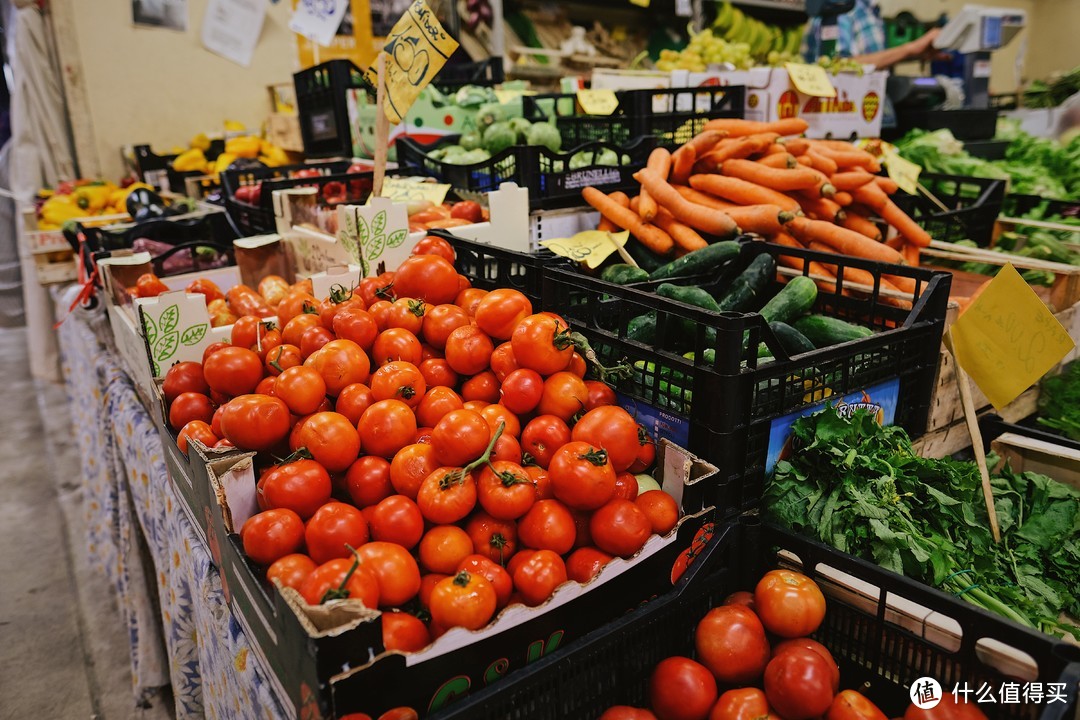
(148, 548)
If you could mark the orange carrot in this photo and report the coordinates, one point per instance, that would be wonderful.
(684, 236)
(650, 236)
(705, 141)
(605, 224)
(682, 164)
(851, 274)
(796, 146)
(760, 219)
(854, 157)
(856, 222)
(820, 208)
(896, 242)
(821, 163)
(784, 161)
(700, 198)
(797, 263)
(660, 163)
(804, 160)
(774, 178)
(903, 284)
(843, 199)
(851, 180)
(776, 147)
(871, 196)
(911, 254)
(698, 217)
(742, 192)
(742, 147)
(741, 128)
(842, 240)
(887, 184)
(907, 227)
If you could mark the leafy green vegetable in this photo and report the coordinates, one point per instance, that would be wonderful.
(862, 489)
(1043, 94)
(1059, 402)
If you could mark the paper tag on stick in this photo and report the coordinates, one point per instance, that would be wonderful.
(1007, 339)
(810, 79)
(597, 102)
(591, 247)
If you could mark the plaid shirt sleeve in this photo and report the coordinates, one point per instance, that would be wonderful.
(860, 31)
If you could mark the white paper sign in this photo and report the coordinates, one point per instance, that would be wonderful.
(318, 20)
(346, 277)
(231, 28)
(375, 234)
(176, 327)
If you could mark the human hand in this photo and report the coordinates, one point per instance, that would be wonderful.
(923, 47)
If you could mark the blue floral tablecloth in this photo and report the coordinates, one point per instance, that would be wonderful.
(179, 624)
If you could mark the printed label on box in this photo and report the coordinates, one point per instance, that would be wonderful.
(880, 399)
(659, 423)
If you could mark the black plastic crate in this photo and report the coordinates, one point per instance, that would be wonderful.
(723, 410)
(672, 116)
(489, 267)
(992, 425)
(612, 665)
(1017, 205)
(486, 73)
(152, 168)
(963, 124)
(322, 104)
(551, 185)
(259, 219)
(973, 207)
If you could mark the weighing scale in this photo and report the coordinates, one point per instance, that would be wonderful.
(974, 33)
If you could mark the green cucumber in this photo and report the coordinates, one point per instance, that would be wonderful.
(622, 274)
(745, 290)
(646, 259)
(791, 340)
(642, 328)
(794, 299)
(698, 261)
(825, 331)
(689, 294)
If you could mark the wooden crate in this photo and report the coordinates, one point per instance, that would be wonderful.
(1028, 454)
(284, 131)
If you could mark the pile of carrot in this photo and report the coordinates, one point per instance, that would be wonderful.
(763, 178)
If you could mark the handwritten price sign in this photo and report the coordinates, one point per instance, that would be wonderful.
(591, 247)
(810, 79)
(416, 50)
(404, 190)
(1008, 338)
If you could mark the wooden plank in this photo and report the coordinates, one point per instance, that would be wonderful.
(1025, 454)
(955, 437)
(65, 40)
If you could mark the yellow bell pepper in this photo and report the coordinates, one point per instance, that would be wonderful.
(234, 126)
(274, 156)
(92, 199)
(60, 208)
(117, 198)
(190, 160)
(200, 142)
(244, 147)
(224, 160)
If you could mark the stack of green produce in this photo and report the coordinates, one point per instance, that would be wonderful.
(1048, 94)
(862, 489)
(735, 39)
(1035, 166)
(1059, 402)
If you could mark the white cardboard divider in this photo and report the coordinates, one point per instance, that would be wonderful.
(375, 234)
(346, 276)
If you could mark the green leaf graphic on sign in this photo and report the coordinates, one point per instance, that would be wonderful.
(396, 238)
(150, 328)
(349, 243)
(362, 233)
(169, 319)
(378, 223)
(156, 368)
(194, 334)
(166, 347)
(376, 246)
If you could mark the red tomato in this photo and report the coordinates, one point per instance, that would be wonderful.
(302, 486)
(394, 568)
(660, 508)
(291, 570)
(356, 324)
(626, 486)
(255, 422)
(465, 600)
(368, 481)
(272, 534)
(338, 301)
(460, 437)
(468, 210)
(411, 466)
(207, 288)
(542, 436)
(330, 438)
(497, 414)
(625, 712)
(328, 582)
(505, 490)
(386, 427)
(741, 597)
(482, 386)
(333, 529)
(302, 389)
(397, 519)
(149, 285)
(600, 394)
(816, 647)
(233, 371)
(313, 340)
(543, 344)
(620, 528)
(197, 430)
(581, 476)
(789, 603)
(184, 377)
(189, 406)
(502, 361)
(947, 709)
(646, 454)
(564, 396)
(731, 642)
(266, 386)
(401, 713)
(741, 704)
(353, 400)
(295, 304)
(522, 390)
(494, 539)
(494, 573)
(376, 288)
(681, 689)
(281, 358)
(213, 348)
(398, 380)
(585, 563)
(468, 299)
(443, 548)
(434, 245)
(538, 575)
(577, 366)
(341, 363)
(613, 429)
(547, 526)
(447, 495)
(499, 312)
(294, 330)
(397, 344)
(428, 277)
(403, 632)
(440, 321)
(407, 313)
(850, 705)
(506, 448)
(438, 373)
(468, 350)
(436, 403)
(427, 584)
(798, 684)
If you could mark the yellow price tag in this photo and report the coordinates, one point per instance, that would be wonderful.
(903, 172)
(505, 96)
(597, 102)
(416, 50)
(640, 3)
(810, 79)
(1007, 339)
(408, 190)
(591, 247)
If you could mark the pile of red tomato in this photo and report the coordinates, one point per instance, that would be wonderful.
(443, 451)
(739, 675)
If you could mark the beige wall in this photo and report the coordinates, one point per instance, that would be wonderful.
(1054, 45)
(145, 85)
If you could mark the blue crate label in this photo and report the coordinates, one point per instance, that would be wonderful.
(578, 179)
(880, 399)
(659, 423)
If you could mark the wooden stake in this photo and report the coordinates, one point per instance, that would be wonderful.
(382, 128)
(972, 420)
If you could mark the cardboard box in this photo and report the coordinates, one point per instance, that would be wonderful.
(283, 130)
(329, 661)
